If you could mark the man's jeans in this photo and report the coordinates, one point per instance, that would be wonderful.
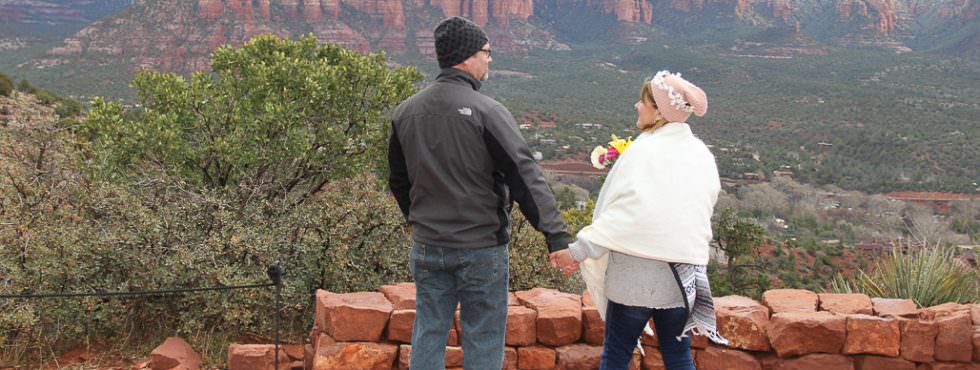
(477, 280)
(624, 324)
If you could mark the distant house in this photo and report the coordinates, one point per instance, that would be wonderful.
(876, 246)
(754, 176)
(938, 201)
(779, 173)
(546, 124)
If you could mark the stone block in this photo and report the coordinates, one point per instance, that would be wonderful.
(918, 339)
(954, 341)
(800, 333)
(359, 355)
(790, 300)
(510, 358)
(254, 356)
(559, 315)
(401, 296)
(846, 303)
(400, 326)
(360, 316)
(717, 358)
(894, 306)
(174, 352)
(593, 327)
(818, 361)
(536, 358)
(578, 357)
(882, 363)
(521, 326)
(872, 335)
(744, 322)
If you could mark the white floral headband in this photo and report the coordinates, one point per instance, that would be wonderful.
(676, 99)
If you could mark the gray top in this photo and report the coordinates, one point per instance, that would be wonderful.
(633, 281)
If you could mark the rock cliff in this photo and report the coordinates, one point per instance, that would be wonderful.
(178, 36)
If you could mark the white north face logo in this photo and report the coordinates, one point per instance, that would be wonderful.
(465, 111)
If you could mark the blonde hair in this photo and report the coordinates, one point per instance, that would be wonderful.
(646, 96)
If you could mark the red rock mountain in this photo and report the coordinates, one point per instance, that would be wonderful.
(14, 11)
(177, 36)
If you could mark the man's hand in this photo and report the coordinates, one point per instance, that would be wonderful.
(563, 260)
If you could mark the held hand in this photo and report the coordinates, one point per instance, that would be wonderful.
(563, 260)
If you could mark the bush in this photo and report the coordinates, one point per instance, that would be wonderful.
(6, 85)
(267, 160)
(928, 276)
(530, 266)
(25, 87)
(83, 235)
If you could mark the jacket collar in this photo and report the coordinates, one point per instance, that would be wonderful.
(453, 75)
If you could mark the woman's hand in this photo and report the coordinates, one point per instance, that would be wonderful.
(564, 261)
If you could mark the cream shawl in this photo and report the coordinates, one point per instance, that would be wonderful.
(656, 203)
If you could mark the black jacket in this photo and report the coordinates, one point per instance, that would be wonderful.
(457, 160)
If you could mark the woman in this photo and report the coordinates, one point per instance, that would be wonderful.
(647, 247)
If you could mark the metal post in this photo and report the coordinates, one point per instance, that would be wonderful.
(275, 273)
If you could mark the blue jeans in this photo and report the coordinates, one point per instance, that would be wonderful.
(476, 279)
(624, 324)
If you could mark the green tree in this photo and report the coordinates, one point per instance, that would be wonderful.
(25, 86)
(271, 158)
(739, 239)
(6, 85)
(274, 119)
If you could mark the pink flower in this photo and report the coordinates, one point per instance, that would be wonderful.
(612, 154)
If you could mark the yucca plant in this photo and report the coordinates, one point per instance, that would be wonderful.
(928, 276)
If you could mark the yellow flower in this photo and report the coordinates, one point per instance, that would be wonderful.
(620, 144)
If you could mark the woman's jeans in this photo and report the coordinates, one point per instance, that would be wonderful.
(624, 324)
(476, 279)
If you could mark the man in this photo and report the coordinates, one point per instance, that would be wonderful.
(457, 161)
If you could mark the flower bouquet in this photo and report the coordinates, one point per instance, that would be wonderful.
(605, 157)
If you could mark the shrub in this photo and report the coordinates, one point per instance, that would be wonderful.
(928, 276)
(267, 160)
(25, 87)
(6, 85)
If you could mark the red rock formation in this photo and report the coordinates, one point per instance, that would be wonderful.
(635, 11)
(210, 9)
(479, 11)
(391, 13)
(504, 9)
(341, 34)
(482, 12)
(742, 6)
(264, 9)
(885, 10)
(782, 10)
(451, 8)
(331, 7)
(312, 11)
(291, 6)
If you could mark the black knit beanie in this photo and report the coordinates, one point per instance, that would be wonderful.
(457, 39)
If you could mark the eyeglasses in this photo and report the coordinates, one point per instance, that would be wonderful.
(488, 51)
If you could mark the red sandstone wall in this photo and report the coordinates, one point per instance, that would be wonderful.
(546, 329)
